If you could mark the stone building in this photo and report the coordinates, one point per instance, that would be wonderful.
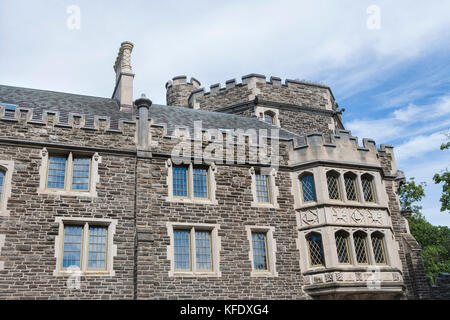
(253, 190)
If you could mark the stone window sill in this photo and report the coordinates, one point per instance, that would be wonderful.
(192, 201)
(196, 274)
(62, 273)
(67, 193)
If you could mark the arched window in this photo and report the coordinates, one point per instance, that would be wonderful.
(308, 188)
(315, 248)
(342, 246)
(2, 179)
(368, 188)
(269, 117)
(360, 239)
(350, 186)
(333, 185)
(379, 252)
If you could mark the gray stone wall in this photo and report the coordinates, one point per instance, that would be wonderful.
(28, 253)
(232, 213)
(410, 252)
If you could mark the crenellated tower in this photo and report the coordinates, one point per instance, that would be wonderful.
(179, 91)
(301, 107)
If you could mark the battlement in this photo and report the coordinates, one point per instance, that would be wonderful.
(73, 120)
(179, 90)
(342, 147)
(300, 92)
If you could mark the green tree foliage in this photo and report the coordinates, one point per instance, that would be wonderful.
(434, 240)
(445, 179)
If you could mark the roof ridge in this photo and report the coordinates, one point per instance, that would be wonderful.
(60, 92)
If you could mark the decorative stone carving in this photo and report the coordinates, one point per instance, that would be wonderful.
(310, 217)
(329, 277)
(307, 280)
(359, 276)
(340, 215)
(395, 276)
(375, 217)
(317, 279)
(358, 216)
(339, 276)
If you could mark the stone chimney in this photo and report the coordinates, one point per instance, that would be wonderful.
(123, 91)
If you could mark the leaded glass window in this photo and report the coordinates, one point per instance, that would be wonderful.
(350, 187)
(81, 173)
(180, 183)
(56, 172)
(268, 118)
(203, 250)
(360, 240)
(190, 259)
(182, 250)
(259, 246)
(367, 185)
(378, 249)
(262, 188)
(315, 247)
(97, 247)
(72, 246)
(2, 179)
(342, 247)
(200, 183)
(333, 186)
(308, 188)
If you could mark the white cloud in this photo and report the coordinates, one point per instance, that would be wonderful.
(420, 145)
(411, 121)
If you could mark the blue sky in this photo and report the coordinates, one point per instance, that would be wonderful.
(393, 81)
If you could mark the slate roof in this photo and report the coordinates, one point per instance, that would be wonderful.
(171, 117)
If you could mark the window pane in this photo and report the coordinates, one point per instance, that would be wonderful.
(203, 248)
(262, 188)
(367, 185)
(259, 251)
(200, 183)
(180, 182)
(360, 248)
(2, 178)
(97, 247)
(333, 187)
(268, 118)
(80, 180)
(309, 192)
(342, 248)
(378, 249)
(72, 246)
(350, 188)
(56, 172)
(316, 250)
(182, 250)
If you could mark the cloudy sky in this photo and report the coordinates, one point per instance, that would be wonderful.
(392, 77)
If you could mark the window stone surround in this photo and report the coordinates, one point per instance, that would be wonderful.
(111, 249)
(96, 159)
(320, 179)
(211, 180)
(273, 189)
(391, 248)
(271, 250)
(8, 168)
(216, 247)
